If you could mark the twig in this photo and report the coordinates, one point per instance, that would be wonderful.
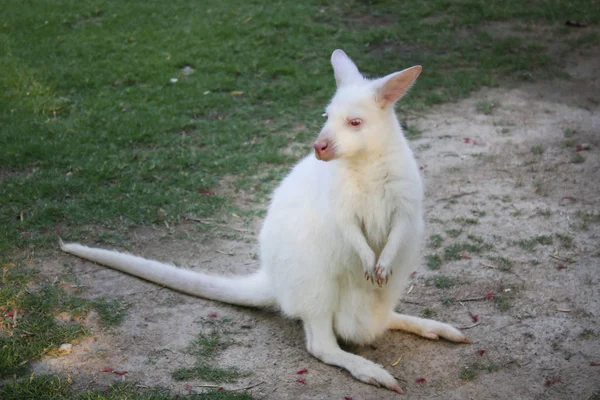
(410, 289)
(472, 299)
(223, 252)
(196, 219)
(470, 326)
(558, 258)
(412, 302)
(487, 265)
(208, 386)
(458, 195)
(469, 311)
(247, 387)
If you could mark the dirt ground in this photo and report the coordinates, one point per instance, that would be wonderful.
(501, 166)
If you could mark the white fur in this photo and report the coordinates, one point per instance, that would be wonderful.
(340, 238)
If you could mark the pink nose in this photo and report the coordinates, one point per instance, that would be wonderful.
(323, 149)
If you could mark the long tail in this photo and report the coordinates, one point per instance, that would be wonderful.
(252, 290)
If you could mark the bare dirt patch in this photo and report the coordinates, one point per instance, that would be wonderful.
(523, 242)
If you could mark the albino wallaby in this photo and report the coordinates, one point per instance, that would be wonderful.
(341, 236)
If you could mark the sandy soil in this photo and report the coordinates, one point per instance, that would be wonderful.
(517, 180)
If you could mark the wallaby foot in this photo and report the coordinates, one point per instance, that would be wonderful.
(427, 328)
(321, 343)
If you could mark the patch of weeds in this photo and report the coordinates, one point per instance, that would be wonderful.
(566, 240)
(205, 348)
(434, 261)
(467, 221)
(502, 302)
(428, 313)
(535, 262)
(425, 146)
(569, 133)
(475, 238)
(454, 233)
(504, 264)
(447, 301)
(588, 334)
(577, 158)
(111, 311)
(588, 218)
(455, 251)
(412, 132)
(56, 388)
(538, 149)
(441, 281)
(544, 213)
(435, 241)
(492, 367)
(486, 107)
(530, 244)
(538, 187)
(34, 304)
(467, 374)
(479, 213)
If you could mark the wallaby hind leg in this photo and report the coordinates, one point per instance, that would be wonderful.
(321, 343)
(427, 328)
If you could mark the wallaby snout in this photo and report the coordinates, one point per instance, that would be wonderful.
(324, 149)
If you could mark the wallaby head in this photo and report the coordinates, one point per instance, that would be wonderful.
(360, 116)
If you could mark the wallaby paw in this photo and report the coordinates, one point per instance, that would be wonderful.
(378, 275)
(434, 330)
(375, 375)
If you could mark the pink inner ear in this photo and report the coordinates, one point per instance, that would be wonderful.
(397, 85)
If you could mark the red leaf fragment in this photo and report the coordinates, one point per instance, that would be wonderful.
(552, 381)
(347, 398)
(205, 192)
(578, 147)
(9, 314)
(120, 373)
(467, 140)
(595, 364)
(135, 157)
(465, 256)
(475, 318)
(302, 371)
(561, 266)
(413, 274)
(220, 388)
(188, 386)
(421, 380)
(83, 260)
(481, 352)
(213, 315)
(107, 369)
(490, 296)
(302, 381)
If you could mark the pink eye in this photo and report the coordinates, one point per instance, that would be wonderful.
(355, 122)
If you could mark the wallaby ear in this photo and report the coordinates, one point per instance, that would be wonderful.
(393, 86)
(344, 69)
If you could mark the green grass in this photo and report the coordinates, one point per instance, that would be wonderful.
(46, 387)
(538, 149)
(441, 281)
(455, 250)
(205, 348)
(96, 134)
(46, 315)
(435, 241)
(468, 374)
(434, 261)
(35, 331)
(531, 243)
